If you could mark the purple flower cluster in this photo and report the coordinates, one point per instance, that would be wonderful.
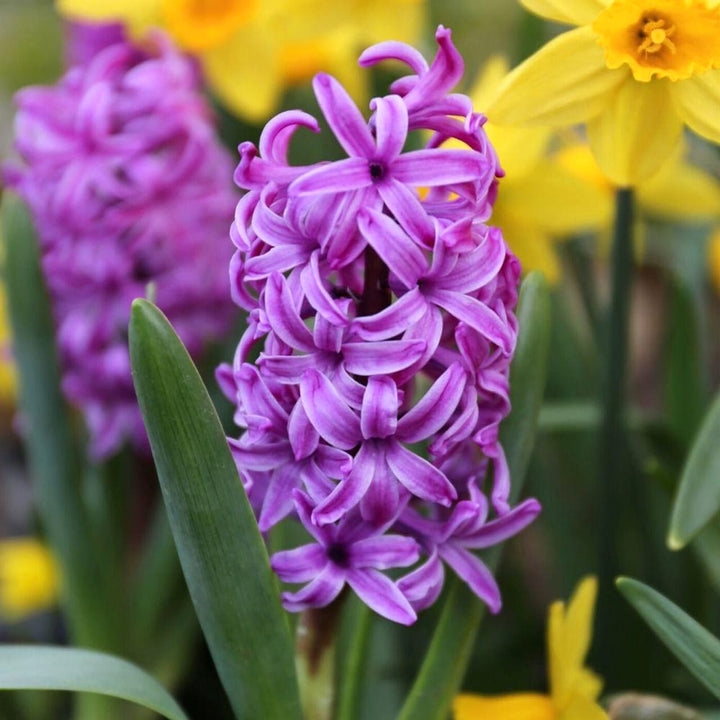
(385, 304)
(128, 185)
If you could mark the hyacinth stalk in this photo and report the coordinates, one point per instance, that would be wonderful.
(128, 186)
(383, 305)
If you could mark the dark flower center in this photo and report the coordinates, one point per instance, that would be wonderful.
(338, 555)
(377, 171)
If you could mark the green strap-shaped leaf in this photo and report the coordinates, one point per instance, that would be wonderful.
(443, 669)
(698, 496)
(684, 375)
(696, 648)
(527, 378)
(222, 554)
(54, 461)
(41, 667)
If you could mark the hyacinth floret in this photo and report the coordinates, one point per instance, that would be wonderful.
(381, 306)
(128, 185)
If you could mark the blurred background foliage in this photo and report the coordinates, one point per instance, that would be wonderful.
(674, 372)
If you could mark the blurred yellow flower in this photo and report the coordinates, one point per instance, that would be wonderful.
(539, 202)
(251, 50)
(634, 71)
(679, 191)
(8, 380)
(574, 689)
(29, 579)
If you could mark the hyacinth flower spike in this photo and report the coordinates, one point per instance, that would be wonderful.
(128, 185)
(386, 327)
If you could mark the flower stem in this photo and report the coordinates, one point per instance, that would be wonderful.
(612, 441)
(315, 659)
(351, 678)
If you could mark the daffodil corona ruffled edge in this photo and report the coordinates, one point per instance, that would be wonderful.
(592, 75)
(574, 689)
(251, 50)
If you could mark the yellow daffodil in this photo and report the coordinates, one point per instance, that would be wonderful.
(28, 578)
(573, 688)
(251, 50)
(539, 202)
(634, 71)
(679, 191)
(8, 381)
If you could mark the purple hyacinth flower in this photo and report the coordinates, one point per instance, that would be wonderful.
(128, 186)
(381, 316)
(350, 553)
(451, 541)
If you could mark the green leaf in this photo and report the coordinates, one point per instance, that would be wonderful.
(698, 497)
(54, 460)
(527, 377)
(41, 667)
(220, 549)
(685, 384)
(443, 668)
(696, 648)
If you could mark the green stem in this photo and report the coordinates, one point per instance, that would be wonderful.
(315, 660)
(350, 685)
(612, 441)
(447, 657)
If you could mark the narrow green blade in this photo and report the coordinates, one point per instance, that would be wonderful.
(696, 648)
(443, 668)
(54, 461)
(698, 496)
(527, 377)
(41, 667)
(222, 554)
(684, 377)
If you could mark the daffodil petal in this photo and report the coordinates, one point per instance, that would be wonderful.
(582, 708)
(555, 201)
(519, 148)
(523, 706)
(535, 249)
(232, 73)
(138, 15)
(571, 12)
(636, 133)
(560, 672)
(564, 83)
(488, 81)
(401, 20)
(579, 620)
(697, 101)
(681, 191)
(569, 636)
